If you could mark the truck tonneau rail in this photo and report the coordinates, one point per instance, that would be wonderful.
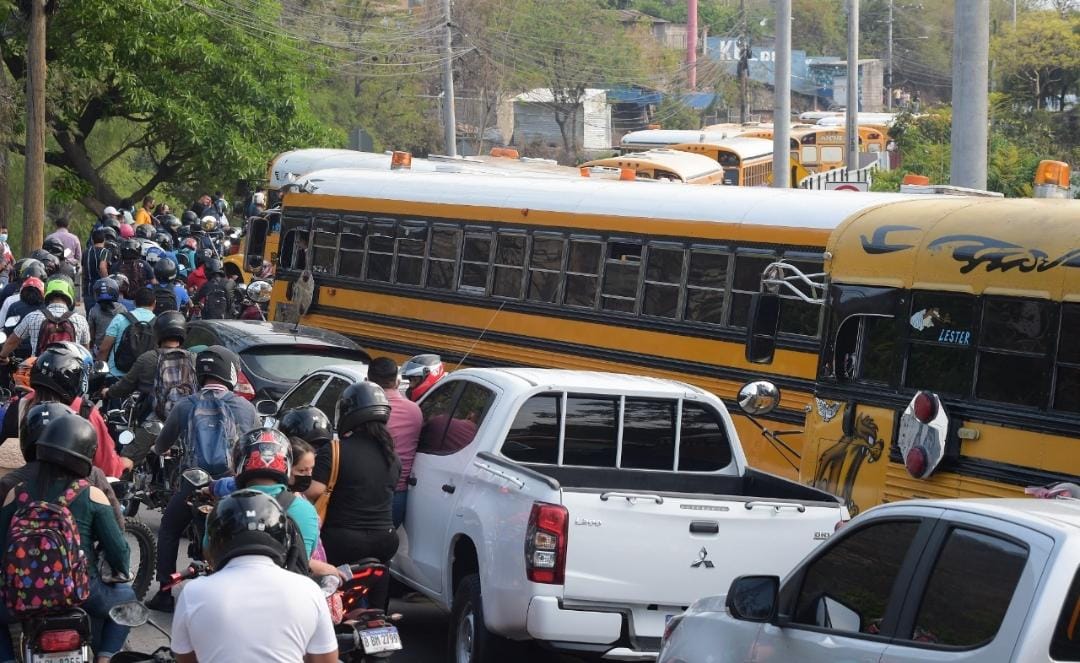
(499, 461)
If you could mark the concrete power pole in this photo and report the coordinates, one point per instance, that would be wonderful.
(851, 124)
(782, 100)
(449, 121)
(691, 43)
(744, 66)
(971, 60)
(888, 56)
(34, 192)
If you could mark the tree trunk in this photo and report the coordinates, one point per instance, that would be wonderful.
(34, 195)
(6, 117)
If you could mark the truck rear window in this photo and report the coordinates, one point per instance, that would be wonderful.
(592, 437)
(1065, 645)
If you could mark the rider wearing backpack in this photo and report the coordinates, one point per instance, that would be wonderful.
(168, 294)
(54, 323)
(132, 265)
(167, 372)
(51, 527)
(129, 335)
(207, 424)
(216, 297)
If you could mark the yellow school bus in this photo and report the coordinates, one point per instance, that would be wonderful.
(566, 273)
(949, 364)
(663, 165)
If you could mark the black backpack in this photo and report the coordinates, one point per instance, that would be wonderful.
(165, 299)
(216, 301)
(138, 337)
(296, 559)
(135, 271)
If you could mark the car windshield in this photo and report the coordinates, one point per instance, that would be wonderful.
(290, 363)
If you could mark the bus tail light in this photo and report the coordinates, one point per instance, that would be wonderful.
(925, 407)
(545, 543)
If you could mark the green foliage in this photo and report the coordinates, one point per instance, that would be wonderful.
(674, 114)
(821, 27)
(200, 102)
(1039, 59)
(718, 16)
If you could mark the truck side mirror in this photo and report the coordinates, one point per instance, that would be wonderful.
(753, 598)
(762, 327)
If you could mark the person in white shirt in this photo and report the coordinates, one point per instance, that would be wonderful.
(250, 608)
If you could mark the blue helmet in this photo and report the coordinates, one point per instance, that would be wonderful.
(106, 290)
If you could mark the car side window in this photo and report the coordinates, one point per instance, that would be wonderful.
(969, 590)
(197, 336)
(304, 393)
(329, 397)
(453, 416)
(847, 588)
(1065, 645)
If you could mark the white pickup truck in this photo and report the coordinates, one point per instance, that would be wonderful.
(583, 510)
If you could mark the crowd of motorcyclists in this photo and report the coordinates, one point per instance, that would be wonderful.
(300, 498)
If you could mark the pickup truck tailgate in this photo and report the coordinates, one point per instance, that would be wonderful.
(640, 550)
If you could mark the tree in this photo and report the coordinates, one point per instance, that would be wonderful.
(820, 26)
(1040, 58)
(204, 100)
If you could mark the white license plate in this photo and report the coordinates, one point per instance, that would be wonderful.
(380, 639)
(65, 657)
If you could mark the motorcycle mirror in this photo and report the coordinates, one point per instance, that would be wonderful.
(131, 614)
(153, 427)
(100, 367)
(196, 477)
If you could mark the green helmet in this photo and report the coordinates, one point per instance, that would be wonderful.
(60, 286)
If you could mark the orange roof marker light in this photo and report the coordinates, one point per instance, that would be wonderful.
(918, 180)
(506, 152)
(1052, 179)
(400, 161)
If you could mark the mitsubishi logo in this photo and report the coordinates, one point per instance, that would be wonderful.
(702, 562)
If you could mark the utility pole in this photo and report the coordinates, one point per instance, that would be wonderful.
(449, 121)
(852, 123)
(971, 49)
(1014, 13)
(888, 56)
(744, 66)
(691, 42)
(782, 98)
(34, 192)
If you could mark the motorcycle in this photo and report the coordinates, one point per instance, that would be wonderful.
(134, 614)
(365, 633)
(62, 637)
(201, 503)
(153, 478)
(141, 540)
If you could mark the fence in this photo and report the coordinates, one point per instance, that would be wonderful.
(872, 160)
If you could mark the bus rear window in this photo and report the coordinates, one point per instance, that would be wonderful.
(1065, 645)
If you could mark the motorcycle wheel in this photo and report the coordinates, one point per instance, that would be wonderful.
(141, 538)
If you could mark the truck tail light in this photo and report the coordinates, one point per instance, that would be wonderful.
(924, 407)
(59, 641)
(545, 543)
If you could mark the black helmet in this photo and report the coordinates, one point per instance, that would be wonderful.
(130, 249)
(32, 267)
(217, 362)
(62, 370)
(307, 423)
(171, 223)
(51, 262)
(164, 240)
(170, 324)
(263, 453)
(37, 419)
(144, 231)
(111, 234)
(190, 218)
(70, 442)
(18, 267)
(214, 267)
(106, 290)
(247, 522)
(165, 270)
(360, 403)
(111, 222)
(54, 246)
(123, 283)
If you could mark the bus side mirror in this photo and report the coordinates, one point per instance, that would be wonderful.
(762, 327)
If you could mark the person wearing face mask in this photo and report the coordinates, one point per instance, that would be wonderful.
(7, 258)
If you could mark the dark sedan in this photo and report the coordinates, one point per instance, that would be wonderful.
(275, 355)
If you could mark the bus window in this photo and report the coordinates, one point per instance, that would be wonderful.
(545, 268)
(796, 315)
(353, 238)
(475, 262)
(621, 270)
(832, 154)
(865, 349)
(380, 259)
(1014, 351)
(324, 245)
(706, 284)
(294, 243)
(663, 276)
(748, 270)
(255, 244)
(411, 246)
(1067, 382)
(509, 265)
(583, 272)
(940, 337)
(442, 259)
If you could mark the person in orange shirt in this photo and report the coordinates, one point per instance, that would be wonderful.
(143, 216)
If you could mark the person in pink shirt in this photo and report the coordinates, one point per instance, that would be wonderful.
(404, 426)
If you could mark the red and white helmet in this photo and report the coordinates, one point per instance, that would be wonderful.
(422, 372)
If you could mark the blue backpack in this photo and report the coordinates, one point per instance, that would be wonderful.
(211, 433)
